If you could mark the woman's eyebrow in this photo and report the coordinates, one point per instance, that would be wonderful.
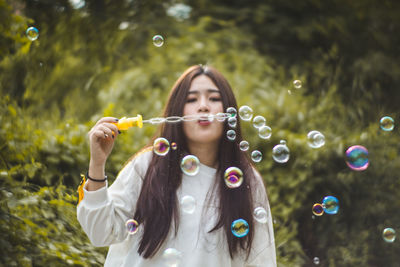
(208, 91)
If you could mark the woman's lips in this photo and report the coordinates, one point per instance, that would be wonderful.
(204, 122)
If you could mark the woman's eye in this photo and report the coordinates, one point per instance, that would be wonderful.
(215, 99)
(189, 100)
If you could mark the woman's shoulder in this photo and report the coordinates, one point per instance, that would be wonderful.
(139, 162)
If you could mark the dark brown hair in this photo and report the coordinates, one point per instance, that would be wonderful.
(157, 205)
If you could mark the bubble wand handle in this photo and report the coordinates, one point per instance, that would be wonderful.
(126, 123)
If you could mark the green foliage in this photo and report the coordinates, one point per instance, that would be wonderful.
(55, 88)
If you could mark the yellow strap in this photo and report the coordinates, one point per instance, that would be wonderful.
(80, 188)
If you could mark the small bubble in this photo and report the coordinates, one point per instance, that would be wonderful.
(330, 205)
(32, 33)
(260, 214)
(318, 209)
(297, 84)
(172, 257)
(231, 135)
(256, 156)
(245, 113)
(244, 145)
(389, 235)
(158, 40)
(265, 132)
(188, 204)
(240, 228)
(221, 116)
(259, 121)
(132, 226)
(315, 139)
(161, 146)
(233, 177)
(316, 260)
(281, 153)
(174, 146)
(190, 165)
(232, 112)
(232, 121)
(387, 124)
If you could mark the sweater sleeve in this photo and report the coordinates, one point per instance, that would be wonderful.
(104, 212)
(263, 248)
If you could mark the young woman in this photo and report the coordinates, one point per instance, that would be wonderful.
(150, 187)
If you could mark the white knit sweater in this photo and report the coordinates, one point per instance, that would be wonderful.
(103, 213)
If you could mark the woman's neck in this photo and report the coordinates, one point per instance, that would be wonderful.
(206, 153)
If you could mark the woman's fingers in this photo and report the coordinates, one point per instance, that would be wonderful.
(107, 119)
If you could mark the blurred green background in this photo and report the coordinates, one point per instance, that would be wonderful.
(96, 57)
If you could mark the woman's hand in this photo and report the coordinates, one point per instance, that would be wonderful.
(101, 139)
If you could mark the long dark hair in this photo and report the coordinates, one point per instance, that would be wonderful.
(157, 205)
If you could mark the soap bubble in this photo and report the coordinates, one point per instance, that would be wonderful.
(297, 84)
(172, 257)
(240, 228)
(190, 165)
(231, 135)
(188, 204)
(233, 177)
(316, 260)
(260, 214)
(389, 235)
(173, 119)
(264, 132)
(387, 123)
(317, 209)
(281, 153)
(174, 146)
(259, 121)
(158, 40)
(244, 145)
(330, 205)
(221, 116)
(232, 121)
(245, 113)
(132, 226)
(315, 139)
(32, 33)
(256, 156)
(231, 112)
(357, 158)
(161, 146)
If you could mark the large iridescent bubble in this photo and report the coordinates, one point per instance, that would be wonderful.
(330, 205)
(357, 158)
(233, 177)
(190, 165)
(240, 228)
(161, 146)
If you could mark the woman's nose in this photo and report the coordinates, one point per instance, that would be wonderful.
(203, 105)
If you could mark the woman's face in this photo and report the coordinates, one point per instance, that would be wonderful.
(204, 98)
